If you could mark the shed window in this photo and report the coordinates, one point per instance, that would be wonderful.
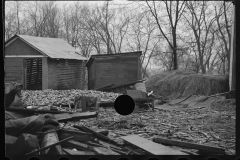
(33, 74)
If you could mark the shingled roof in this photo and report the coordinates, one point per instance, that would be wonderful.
(52, 47)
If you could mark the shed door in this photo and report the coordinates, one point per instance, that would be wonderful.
(33, 74)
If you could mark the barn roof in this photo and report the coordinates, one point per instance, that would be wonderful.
(109, 55)
(52, 47)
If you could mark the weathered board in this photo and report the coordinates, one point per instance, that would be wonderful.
(19, 47)
(118, 68)
(65, 74)
(189, 145)
(13, 70)
(151, 147)
(76, 152)
(75, 116)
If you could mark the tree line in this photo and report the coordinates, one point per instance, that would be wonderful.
(171, 34)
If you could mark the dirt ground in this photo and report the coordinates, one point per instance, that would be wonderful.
(213, 126)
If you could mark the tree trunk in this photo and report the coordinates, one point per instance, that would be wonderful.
(175, 63)
(203, 68)
(223, 66)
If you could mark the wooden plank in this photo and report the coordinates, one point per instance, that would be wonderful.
(69, 66)
(75, 116)
(67, 75)
(17, 62)
(62, 80)
(78, 145)
(68, 71)
(44, 148)
(74, 152)
(44, 73)
(77, 135)
(85, 147)
(33, 111)
(98, 135)
(24, 56)
(68, 78)
(18, 69)
(13, 74)
(66, 82)
(189, 145)
(10, 78)
(151, 147)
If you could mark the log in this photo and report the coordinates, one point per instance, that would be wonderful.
(41, 149)
(49, 139)
(189, 145)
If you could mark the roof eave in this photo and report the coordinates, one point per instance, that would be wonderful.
(99, 55)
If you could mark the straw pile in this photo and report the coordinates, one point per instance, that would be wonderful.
(178, 84)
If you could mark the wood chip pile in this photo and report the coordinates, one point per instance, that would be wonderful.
(57, 97)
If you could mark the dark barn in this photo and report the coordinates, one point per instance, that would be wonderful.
(115, 69)
(43, 63)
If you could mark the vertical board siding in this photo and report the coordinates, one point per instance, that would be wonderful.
(13, 68)
(117, 70)
(91, 76)
(52, 74)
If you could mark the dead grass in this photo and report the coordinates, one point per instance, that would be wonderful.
(177, 84)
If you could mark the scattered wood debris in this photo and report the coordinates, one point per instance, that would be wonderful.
(189, 131)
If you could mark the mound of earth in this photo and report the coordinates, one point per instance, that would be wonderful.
(178, 84)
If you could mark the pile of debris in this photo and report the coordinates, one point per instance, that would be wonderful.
(105, 132)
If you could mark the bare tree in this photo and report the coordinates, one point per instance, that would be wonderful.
(174, 13)
(120, 28)
(201, 27)
(52, 22)
(13, 21)
(224, 33)
(37, 18)
(141, 34)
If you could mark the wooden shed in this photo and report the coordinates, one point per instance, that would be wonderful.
(43, 63)
(107, 69)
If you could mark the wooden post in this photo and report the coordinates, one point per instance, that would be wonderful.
(95, 75)
(139, 68)
(44, 73)
(24, 74)
(232, 72)
(83, 74)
